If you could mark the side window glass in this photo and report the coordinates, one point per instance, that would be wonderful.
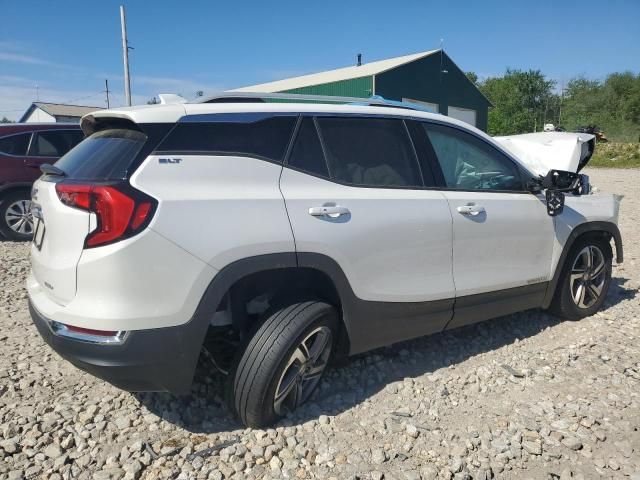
(374, 152)
(267, 138)
(15, 144)
(54, 144)
(468, 163)
(307, 152)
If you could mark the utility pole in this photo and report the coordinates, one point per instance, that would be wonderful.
(125, 57)
(106, 91)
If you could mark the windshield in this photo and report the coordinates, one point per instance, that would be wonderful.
(105, 155)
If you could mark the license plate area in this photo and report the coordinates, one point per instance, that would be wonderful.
(38, 228)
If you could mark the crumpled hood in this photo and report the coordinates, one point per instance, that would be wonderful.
(544, 151)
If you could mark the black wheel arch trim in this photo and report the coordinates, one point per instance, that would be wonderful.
(366, 322)
(608, 228)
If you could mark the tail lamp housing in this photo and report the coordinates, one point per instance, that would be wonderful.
(121, 210)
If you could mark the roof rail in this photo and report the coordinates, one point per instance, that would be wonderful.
(260, 97)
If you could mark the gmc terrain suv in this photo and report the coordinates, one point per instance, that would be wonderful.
(271, 235)
(23, 148)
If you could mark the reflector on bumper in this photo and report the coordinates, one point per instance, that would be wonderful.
(86, 334)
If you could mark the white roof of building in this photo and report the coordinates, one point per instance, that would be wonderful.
(59, 110)
(346, 73)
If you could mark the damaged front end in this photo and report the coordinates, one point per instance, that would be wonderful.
(544, 151)
(555, 184)
(555, 158)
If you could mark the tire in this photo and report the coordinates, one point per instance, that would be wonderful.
(274, 359)
(13, 206)
(566, 302)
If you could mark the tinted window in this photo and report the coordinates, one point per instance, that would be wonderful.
(15, 144)
(307, 152)
(369, 152)
(468, 163)
(104, 155)
(266, 138)
(54, 143)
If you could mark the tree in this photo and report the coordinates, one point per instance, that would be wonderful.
(6, 120)
(473, 77)
(612, 105)
(520, 101)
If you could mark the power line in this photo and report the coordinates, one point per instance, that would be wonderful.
(83, 98)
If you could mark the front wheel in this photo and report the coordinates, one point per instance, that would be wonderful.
(283, 362)
(584, 280)
(16, 222)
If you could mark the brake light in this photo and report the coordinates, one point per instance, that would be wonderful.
(121, 211)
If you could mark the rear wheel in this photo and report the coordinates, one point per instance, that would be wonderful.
(16, 221)
(585, 279)
(283, 362)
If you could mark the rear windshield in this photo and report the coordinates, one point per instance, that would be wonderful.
(105, 155)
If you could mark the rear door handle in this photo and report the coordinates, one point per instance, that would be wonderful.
(328, 211)
(470, 210)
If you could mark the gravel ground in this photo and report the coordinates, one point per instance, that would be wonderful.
(524, 396)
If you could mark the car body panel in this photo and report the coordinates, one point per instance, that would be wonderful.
(207, 203)
(139, 283)
(580, 210)
(508, 245)
(394, 246)
(54, 259)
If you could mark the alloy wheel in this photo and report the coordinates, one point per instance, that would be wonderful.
(588, 276)
(18, 217)
(303, 370)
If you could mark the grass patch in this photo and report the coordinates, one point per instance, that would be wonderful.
(616, 155)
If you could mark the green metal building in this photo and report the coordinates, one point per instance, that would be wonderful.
(430, 78)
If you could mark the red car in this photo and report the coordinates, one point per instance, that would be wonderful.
(23, 148)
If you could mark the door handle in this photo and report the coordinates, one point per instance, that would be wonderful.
(470, 210)
(328, 211)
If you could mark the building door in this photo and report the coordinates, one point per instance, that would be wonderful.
(464, 114)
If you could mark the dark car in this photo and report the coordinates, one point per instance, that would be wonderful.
(23, 148)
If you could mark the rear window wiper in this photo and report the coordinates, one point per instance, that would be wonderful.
(49, 169)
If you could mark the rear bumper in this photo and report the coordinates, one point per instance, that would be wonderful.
(161, 359)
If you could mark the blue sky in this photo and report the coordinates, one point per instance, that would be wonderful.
(68, 47)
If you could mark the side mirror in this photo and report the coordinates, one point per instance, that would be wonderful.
(561, 181)
(556, 183)
(555, 202)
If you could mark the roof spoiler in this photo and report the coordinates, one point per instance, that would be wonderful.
(169, 98)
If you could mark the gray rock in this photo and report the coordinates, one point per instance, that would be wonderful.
(532, 447)
(109, 474)
(429, 472)
(53, 451)
(572, 443)
(9, 446)
(378, 456)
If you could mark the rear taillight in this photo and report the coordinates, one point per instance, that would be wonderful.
(121, 211)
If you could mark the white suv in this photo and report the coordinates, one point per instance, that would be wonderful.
(271, 235)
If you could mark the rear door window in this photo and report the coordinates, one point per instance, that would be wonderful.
(54, 143)
(15, 144)
(239, 134)
(306, 154)
(105, 155)
(374, 152)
